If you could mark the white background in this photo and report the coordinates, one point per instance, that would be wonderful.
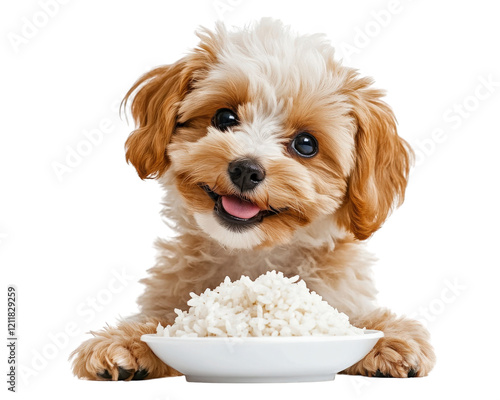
(64, 239)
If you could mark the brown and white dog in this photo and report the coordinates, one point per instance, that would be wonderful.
(273, 156)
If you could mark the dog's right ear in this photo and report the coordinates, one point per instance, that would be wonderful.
(154, 108)
(155, 105)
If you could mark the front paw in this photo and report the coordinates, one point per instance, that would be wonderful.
(119, 354)
(102, 358)
(397, 358)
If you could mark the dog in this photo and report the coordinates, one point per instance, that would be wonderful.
(273, 155)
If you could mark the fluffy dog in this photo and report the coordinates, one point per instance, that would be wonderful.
(273, 156)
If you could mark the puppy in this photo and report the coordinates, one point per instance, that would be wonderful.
(273, 156)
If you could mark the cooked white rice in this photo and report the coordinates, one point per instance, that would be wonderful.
(272, 305)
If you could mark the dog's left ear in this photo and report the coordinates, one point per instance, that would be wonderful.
(383, 159)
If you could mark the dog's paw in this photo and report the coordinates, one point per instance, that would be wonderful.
(118, 354)
(404, 351)
(394, 357)
(102, 358)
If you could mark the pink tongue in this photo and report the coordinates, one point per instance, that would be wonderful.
(239, 208)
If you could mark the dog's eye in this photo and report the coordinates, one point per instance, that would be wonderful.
(224, 118)
(305, 145)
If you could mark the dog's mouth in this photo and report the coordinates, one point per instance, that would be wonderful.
(237, 212)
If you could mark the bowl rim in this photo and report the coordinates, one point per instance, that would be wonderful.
(368, 334)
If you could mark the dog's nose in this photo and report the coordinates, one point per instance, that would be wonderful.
(246, 174)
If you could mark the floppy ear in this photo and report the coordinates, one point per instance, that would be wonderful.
(154, 108)
(383, 159)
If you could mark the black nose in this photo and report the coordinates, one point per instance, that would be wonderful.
(246, 174)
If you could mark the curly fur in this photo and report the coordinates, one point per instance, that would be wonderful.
(279, 84)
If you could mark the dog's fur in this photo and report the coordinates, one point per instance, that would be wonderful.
(279, 84)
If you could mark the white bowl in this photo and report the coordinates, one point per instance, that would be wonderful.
(262, 359)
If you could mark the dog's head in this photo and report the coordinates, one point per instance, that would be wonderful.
(265, 134)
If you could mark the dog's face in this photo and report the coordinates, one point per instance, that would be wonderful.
(265, 133)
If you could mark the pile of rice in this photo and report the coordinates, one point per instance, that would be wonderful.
(272, 305)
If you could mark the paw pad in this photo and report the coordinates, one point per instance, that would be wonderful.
(124, 374)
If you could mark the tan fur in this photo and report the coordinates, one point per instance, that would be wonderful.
(405, 347)
(279, 85)
(112, 348)
(382, 162)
